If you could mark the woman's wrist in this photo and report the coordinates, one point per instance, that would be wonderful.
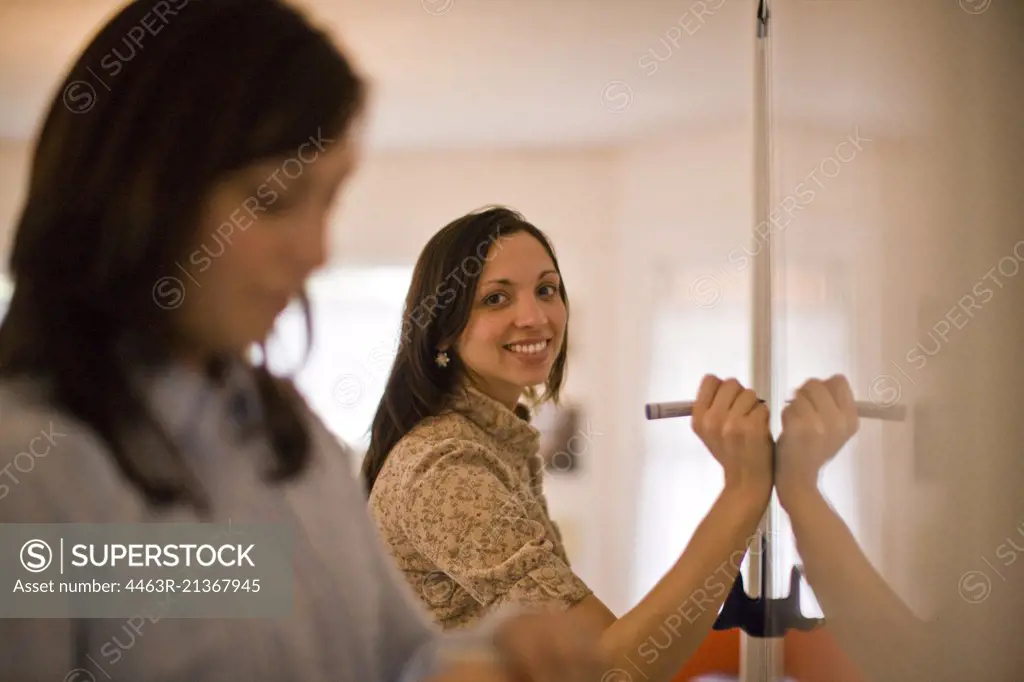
(752, 492)
(796, 490)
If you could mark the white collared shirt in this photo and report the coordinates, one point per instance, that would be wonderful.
(354, 618)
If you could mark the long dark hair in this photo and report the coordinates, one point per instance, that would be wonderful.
(437, 309)
(161, 105)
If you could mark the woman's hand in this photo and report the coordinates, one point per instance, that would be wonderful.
(535, 647)
(815, 426)
(733, 424)
(552, 647)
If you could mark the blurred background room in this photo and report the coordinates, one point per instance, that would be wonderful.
(627, 130)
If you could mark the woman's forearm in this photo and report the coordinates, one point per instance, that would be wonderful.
(663, 631)
(870, 621)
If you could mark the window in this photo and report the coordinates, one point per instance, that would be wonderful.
(818, 346)
(680, 479)
(6, 289)
(356, 313)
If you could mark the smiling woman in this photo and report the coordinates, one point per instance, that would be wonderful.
(502, 323)
(455, 467)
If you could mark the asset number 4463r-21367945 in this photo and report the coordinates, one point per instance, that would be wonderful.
(195, 585)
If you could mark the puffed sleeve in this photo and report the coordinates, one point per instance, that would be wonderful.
(461, 510)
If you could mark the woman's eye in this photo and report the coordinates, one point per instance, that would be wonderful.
(548, 290)
(493, 299)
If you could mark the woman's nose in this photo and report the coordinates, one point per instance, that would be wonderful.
(530, 313)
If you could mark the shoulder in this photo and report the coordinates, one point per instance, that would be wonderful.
(29, 424)
(447, 426)
(442, 460)
(53, 467)
(444, 445)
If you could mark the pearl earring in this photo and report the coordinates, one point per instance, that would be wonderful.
(441, 359)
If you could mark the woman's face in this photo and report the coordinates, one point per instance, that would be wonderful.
(264, 230)
(517, 322)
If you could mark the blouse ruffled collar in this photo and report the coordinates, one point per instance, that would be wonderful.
(512, 433)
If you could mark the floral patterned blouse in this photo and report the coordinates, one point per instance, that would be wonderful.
(460, 503)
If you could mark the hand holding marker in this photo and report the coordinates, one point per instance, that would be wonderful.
(684, 408)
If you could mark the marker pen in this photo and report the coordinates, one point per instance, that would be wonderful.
(866, 410)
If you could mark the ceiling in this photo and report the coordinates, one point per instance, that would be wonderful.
(498, 73)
